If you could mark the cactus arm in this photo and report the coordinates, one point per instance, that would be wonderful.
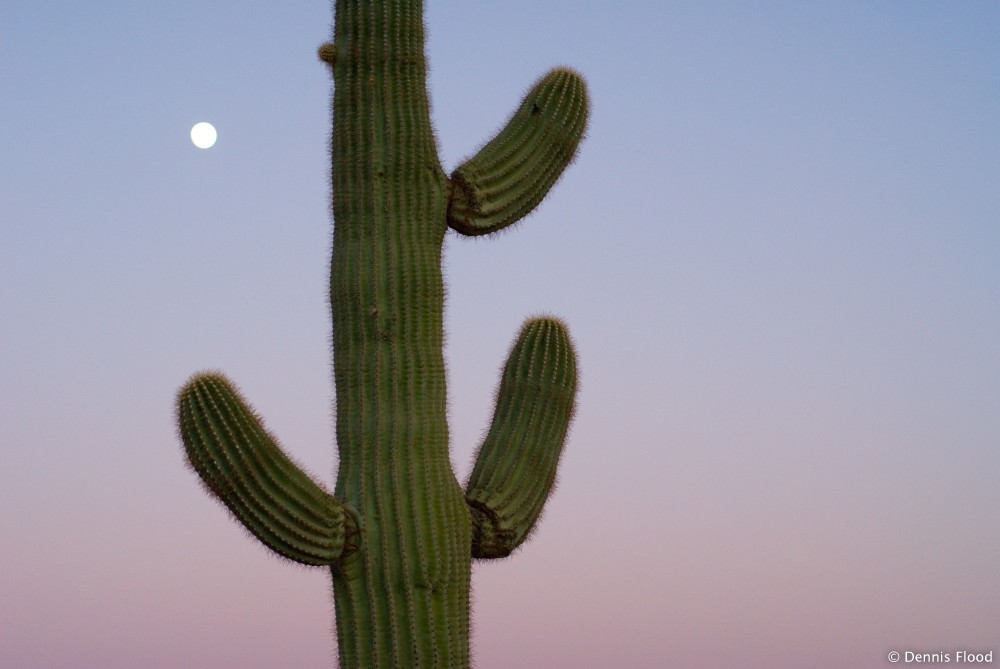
(511, 174)
(515, 468)
(243, 466)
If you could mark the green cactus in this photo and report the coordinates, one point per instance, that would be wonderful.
(399, 533)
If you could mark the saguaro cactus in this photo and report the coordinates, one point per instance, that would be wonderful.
(399, 532)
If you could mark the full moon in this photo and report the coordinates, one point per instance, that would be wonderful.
(203, 135)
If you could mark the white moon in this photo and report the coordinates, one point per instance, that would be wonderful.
(204, 135)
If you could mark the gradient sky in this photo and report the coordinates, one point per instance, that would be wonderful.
(778, 252)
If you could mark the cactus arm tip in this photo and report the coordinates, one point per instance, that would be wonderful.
(242, 466)
(515, 468)
(511, 174)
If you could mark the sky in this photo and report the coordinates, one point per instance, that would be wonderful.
(778, 253)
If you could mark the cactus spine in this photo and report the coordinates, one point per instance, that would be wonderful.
(399, 532)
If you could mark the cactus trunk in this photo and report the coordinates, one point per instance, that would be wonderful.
(399, 533)
(402, 600)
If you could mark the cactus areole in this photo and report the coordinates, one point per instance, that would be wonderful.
(399, 532)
